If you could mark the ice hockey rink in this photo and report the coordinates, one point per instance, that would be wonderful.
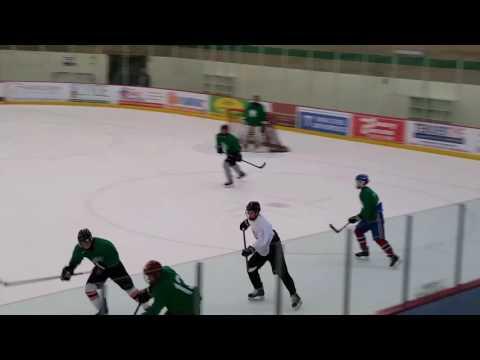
(152, 183)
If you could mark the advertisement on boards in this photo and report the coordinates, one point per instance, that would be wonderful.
(378, 128)
(92, 93)
(327, 121)
(218, 104)
(138, 96)
(283, 114)
(186, 100)
(476, 140)
(439, 136)
(37, 91)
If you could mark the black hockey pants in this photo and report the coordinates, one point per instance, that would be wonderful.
(277, 261)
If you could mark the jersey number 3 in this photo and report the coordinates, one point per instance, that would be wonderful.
(180, 285)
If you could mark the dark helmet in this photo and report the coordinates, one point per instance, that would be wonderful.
(224, 127)
(253, 206)
(363, 177)
(151, 271)
(84, 235)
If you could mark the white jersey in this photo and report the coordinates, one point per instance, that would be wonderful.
(263, 233)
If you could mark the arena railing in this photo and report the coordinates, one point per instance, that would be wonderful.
(438, 247)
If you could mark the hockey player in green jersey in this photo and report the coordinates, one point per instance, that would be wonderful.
(371, 219)
(107, 265)
(255, 117)
(168, 291)
(228, 143)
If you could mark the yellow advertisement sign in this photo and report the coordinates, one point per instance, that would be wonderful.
(219, 105)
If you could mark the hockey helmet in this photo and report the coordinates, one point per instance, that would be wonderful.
(253, 206)
(362, 177)
(84, 235)
(151, 271)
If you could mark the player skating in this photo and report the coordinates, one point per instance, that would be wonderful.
(371, 219)
(107, 265)
(228, 143)
(168, 291)
(267, 247)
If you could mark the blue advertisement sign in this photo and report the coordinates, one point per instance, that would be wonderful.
(327, 121)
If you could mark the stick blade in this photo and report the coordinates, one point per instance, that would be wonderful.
(333, 228)
(263, 165)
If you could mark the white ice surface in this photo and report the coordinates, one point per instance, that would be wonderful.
(152, 183)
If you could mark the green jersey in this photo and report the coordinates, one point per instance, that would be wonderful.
(370, 203)
(229, 143)
(102, 253)
(255, 115)
(171, 292)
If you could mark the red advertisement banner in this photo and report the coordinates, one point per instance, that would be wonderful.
(283, 114)
(378, 128)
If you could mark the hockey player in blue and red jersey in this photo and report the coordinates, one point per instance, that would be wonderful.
(371, 219)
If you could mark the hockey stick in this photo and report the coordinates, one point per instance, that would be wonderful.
(257, 166)
(338, 230)
(136, 310)
(31, 281)
(245, 246)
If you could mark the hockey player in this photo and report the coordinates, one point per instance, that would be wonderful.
(255, 117)
(168, 291)
(266, 248)
(107, 265)
(371, 219)
(233, 151)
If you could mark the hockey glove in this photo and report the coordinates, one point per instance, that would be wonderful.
(354, 219)
(244, 225)
(248, 251)
(67, 272)
(219, 150)
(143, 296)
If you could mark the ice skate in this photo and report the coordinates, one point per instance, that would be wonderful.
(364, 255)
(393, 260)
(296, 301)
(257, 294)
(103, 310)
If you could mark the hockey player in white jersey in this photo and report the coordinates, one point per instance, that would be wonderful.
(267, 247)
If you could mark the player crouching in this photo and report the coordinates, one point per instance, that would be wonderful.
(167, 290)
(371, 219)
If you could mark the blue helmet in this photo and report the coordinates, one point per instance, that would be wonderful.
(362, 177)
